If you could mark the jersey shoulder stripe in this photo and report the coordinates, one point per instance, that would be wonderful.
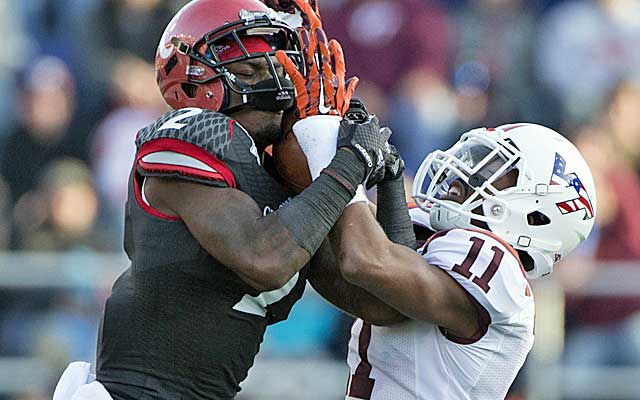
(179, 159)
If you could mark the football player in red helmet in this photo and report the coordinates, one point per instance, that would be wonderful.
(215, 55)
(218, 249)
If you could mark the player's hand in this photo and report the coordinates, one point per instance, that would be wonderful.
(369, 143)
(393, 163)
(357, 111)
(323, 91)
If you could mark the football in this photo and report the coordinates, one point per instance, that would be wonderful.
(291, 163)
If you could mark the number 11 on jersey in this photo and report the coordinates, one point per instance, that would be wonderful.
(464, 269)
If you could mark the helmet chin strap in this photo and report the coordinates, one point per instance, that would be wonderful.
(442, 218)
(276, 99)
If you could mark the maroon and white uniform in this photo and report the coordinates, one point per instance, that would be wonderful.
(420, 360)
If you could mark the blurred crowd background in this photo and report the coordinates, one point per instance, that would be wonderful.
(77, 82)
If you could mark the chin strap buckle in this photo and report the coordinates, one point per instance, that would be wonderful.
(542, 189)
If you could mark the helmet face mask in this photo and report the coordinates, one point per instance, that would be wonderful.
(546, 213)
(277, 34)
(189, 67)
(476, 160)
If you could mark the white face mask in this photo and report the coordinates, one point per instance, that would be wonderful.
(478, 162)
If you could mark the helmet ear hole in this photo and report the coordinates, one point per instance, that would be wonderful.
(526, 259)
(189, 89)
(537, 218)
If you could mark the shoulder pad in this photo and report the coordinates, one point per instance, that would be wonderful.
(485, 266)
(206, 129)
(188, 144)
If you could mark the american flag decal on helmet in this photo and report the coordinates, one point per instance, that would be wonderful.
(582, 202)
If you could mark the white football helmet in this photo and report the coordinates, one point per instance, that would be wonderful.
(546, 214)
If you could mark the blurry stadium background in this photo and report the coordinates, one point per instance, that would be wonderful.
(77, 82)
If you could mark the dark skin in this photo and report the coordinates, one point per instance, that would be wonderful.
(401, 277)
(272, 259)
(326, 278)
(263, 126)
(274, 256)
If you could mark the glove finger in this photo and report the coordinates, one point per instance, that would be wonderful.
(339, 68)
(392, 152)
(308, 49)
(290, 67)
(328, 78)
(352, 83)
(323, 50)
(310, 43)
(386, 133)
(325, 57)
(313, 87)
(302, 97)
(373, 120)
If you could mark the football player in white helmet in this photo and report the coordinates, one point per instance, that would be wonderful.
(506, 204)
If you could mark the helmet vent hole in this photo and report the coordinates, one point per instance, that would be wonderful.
(537, 218)
(170, 64)
(190, 90)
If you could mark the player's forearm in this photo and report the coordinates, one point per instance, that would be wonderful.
(362, 241)
(393, 214)
(326, 279)
(281, 243)
(399, 282)
(272, 255)
(310, 216)
(359, 303)
(272, 249)
(400, 277)
(367, 259)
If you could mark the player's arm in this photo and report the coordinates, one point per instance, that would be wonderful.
(392, 212)
(393, 216)
(399, 276)
(230, 226)
(266, 251)
(326, 279)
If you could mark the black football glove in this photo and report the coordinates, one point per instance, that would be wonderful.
(357, 111)
(393, 163)
(369, 143)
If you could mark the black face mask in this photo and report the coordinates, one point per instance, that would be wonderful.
(263, 96)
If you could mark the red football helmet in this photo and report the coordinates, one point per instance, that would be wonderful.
(207, 35)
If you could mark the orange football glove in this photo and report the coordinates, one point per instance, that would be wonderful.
(323, 91)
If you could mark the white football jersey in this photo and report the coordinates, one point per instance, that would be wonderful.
(420, 360)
